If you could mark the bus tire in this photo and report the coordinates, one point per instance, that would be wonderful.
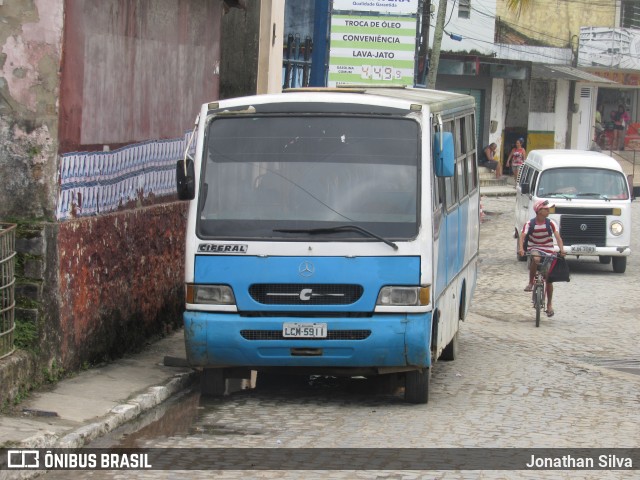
(212, 382)
(416, 386)
(604, 259)
(450, 352)
(619, 264)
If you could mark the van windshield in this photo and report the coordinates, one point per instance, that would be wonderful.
(574, 182)
(275, 176)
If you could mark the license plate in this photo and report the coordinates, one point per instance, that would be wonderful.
(304, 330)
(583, 249)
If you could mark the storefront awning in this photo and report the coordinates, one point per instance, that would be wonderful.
(565, 72)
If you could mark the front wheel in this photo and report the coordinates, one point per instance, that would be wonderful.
(619, 264)
(450, 352)
(538, 300)
(604, 259)
(416, 386)
(212, 382)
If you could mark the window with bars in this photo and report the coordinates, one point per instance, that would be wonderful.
(630, 14)
(464, 8)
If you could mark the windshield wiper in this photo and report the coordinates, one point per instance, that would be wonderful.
(558, 194)
(592, 194)
(340, 228)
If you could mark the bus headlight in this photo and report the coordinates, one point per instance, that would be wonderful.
(210, 294)
(406, 296)
(616, 228)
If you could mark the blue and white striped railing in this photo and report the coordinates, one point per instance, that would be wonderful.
(100, 182)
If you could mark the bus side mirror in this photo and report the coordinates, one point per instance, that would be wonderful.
(185, 179)
(524, 188)
(443, 154)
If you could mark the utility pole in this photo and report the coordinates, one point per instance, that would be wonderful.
(423, 51)
(437, 42)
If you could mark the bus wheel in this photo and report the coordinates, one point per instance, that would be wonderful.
(416, 386)
(212, 382)
(450, 352)
(604, 259)
(619, 264)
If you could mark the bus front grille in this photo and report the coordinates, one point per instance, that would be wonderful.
(579, 229)
(305, 294)
(331, 335)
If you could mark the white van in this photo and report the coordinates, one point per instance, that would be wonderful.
(591, 197)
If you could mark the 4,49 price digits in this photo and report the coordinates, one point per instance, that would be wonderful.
(380, 73)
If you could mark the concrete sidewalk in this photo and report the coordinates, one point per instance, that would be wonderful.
(94, 402)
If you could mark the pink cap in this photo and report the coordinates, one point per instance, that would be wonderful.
(542, 204)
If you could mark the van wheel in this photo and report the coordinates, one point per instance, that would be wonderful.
(619, 264)
(416, 386)
(212, 382)
(604, 259)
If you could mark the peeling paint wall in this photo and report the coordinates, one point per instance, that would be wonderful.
(239, 55)
(120, 280)
(30, 53)
(79, 75)
(554, 22)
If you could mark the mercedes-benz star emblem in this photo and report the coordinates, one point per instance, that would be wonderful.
(583, 227)
(306, 269)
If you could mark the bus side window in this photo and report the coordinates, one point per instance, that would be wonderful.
(461, 152)
(462, 179)
(450, 191)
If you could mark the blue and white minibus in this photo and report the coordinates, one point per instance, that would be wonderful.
(330, 232)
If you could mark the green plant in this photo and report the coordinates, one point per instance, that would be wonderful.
(53, 374)
(25, 335)
(33, 151)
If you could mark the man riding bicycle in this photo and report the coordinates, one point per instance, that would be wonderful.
(537, 237)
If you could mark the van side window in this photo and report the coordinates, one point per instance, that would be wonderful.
(534, 179)
(523, 173)
(528, 175)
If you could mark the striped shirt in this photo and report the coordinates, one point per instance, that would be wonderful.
(540, 238)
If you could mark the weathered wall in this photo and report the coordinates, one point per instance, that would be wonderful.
(124, 71)
(554, 23)
(120, 280)
(136, 69)
(30, 51)
(239, 52)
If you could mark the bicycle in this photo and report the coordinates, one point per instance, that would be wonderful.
(539, 292)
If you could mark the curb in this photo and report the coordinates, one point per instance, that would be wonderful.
(497, 192)
(117, 416)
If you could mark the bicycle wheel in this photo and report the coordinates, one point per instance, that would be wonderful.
(538, 298)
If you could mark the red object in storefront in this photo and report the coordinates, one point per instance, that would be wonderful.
(632, 137)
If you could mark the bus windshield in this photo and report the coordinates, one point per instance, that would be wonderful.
(275, 176)
(597, 183)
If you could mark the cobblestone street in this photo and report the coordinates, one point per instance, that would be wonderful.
(573, 382)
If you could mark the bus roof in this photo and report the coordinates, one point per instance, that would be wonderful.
(399, 97)
(545, 159)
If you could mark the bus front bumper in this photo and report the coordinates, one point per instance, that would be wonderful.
(389, 340)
